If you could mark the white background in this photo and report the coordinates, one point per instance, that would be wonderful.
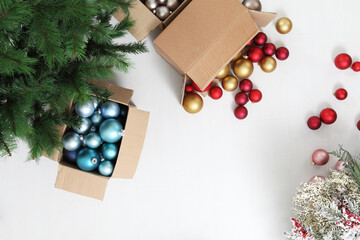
(208, 176)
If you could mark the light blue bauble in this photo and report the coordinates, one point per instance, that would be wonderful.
(71, 141)
(95, 102)
(96, 119)
(93, 140)
(88, 159)
(106, 168)
(110, 109)
(84, 126)
(84, 109)
(111, 130)
(109, 151)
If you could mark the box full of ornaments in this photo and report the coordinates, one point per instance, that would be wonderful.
(107, 144)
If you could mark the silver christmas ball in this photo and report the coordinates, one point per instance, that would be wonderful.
(84, 109)
(71, 141)
(110, 109)
(151, 4)
(161, 2)
(84, 126)
(172, 4)
(95, 102)
(93, 140)
(162, 12)
(252, 4)
(106, 168)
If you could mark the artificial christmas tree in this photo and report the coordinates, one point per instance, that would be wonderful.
(49, 50)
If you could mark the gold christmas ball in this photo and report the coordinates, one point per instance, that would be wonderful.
(237, 56)
(224, 72)
(243, 68)
(268, 64)
(283, 25)
(230, 83)
(193, 103)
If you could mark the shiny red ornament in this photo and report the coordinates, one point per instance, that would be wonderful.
(260, 39)
(215, 92)
(198, 89)
(356, 66)
(317, 179)
(240, 112)
(250, 42)
(241, 98)
(328, 116)
(255, 96)
(314, 123)
(320, 157)
(343, 61)
(246, 85)
(255, 54)
(269, 49)
(341, 94)
(358, 125)
(282, 53)
(189, 88)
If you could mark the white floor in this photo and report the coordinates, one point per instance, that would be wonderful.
(208, 176)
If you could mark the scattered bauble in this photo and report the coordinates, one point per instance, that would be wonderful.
(197, 88)
(320, 157)
(243, 68)
(341, 94)
(252, 4)
(314, 123)
(260, 39)
(328, 116)
(229, 83)
(193, 103)
(269, 49)
(240, 112)
(317, 179)
(246, 85)
(343, 61)
(284, 25)
(255, 54)
(241, 98)
(255, 95)
(340, 166)
(282, 53)
(224, 72)
(88, 159)
(215, 92)
(356, 66)
(268, 64)
(358, 125)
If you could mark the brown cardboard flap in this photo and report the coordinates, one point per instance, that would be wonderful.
(262, 19)
(121, 95)
(74, 180)
(145, 20)
(176, 12)
(132, 143)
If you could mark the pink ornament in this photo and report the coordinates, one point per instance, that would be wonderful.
(340, 166)
(320, 157)
(317, 179)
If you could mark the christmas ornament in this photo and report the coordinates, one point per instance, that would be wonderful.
(269, 49)
(268, 64)
(316, 179)
(93, 140)
(229, 83)
(320, 157)
(246, 85)
(341, 94)
(251, 42)
(162, 12)
(193, 103)
(314, 123)
(255, 96)
(328, 116)
(260, 39)
(84, 127)
(151, 4)
(240, 112)
(340, 166)
(255, 54)
(71, 141)
(283, 25)
(88, 159)
(189, 88)
(161, 2)
(237, 57)
(123, 111)
(343, 61)
(252, 4)
(110, 109)
(198, 89)
(172, 4)
(356, 66)
(96, 119)
(106, 168)
(109, 151)
(358, 125)
(243, 68)
(215, 93)
(241, 98)
(224, 72)
(70, 156)
(95, 102)
(111, 130)
(282, 53)
(84, 109)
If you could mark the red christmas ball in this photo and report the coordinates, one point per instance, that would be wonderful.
(250, 42)
(358, 125)
(260, 39)
(269, 49)
(240, 112)
(356, 66)
(246, 85)
(320, 157)
(341, 94)
(241, 98)
(255, 54)
(189, 88)
(255, 96)
(317, 179)
(343, 61)
(215, 92)
(328, 116)
(198, 89)
(314, 123)
(282, 53)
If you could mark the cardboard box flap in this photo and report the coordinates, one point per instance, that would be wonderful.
(74, 180)
(145, 20)
(131, 144)
(121, 95)
(262, 19)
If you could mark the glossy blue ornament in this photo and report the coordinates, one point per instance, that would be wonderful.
(110, 109)
(88, 159)
(84, 126)
(71, 141)
(96, 119)
(93, 140)
(111, 130)
(70, 156)
(109, 151)
(106, 168)
(84, 109)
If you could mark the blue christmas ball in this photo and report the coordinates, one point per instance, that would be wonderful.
(123, 111)
(106, 168)
(95, 102)
(71, 141)
(88, 159)
(84, 126)
(110, 109)
(111, 130)
(109, 151)
(70, 156)
(96, 119)
(93, 140)
(84, 109)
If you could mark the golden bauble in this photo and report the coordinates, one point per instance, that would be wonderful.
(243, 68)
(283, 25)
(268, 64)
(193, 103)
(230, 83)
(237, 56)
(224, 72)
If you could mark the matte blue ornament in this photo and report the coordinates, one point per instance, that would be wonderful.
(93, 140)
(96, 119)
(71, 141)
(84, 126)
(109, 151)
(95, 102)
(88, 159)
(111, 130)
(84, 109)
(70, 156)
(110, 109)
(106, 168)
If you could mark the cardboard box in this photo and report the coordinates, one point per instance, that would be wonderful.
(71, 178)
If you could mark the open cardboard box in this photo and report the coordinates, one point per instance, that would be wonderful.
(92, 184)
